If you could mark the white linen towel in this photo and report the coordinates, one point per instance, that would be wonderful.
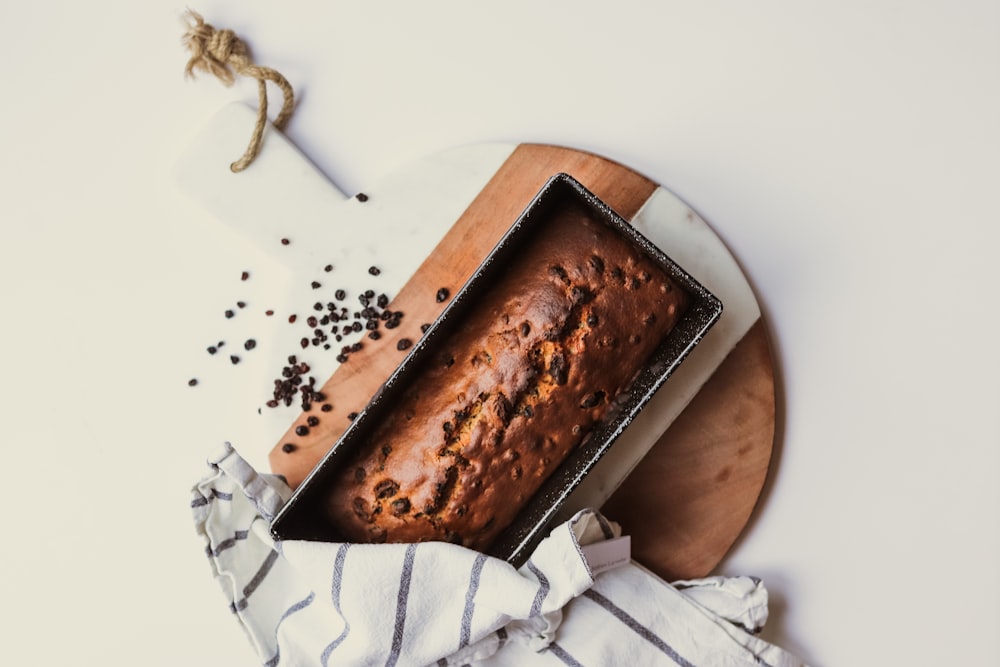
(307, 603)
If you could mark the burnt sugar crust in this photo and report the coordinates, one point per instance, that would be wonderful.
(539, 361)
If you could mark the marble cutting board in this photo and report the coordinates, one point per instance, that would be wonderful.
(684, 478)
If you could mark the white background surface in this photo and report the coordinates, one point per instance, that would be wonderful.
(847, 153)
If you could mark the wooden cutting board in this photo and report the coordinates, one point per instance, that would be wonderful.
(684, 479)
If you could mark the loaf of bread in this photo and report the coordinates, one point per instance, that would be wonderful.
(518, 386)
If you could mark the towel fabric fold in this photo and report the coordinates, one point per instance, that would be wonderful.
(308, 603)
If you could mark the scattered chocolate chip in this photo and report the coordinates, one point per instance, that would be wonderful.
(340, 295)
(269, 313)
(285, 241)
(244, 275)
(374, 270)
(241, 304)
(301, 429)
(288, 448)
(315, 284)
(229, 314)
(292, 318)
(361, 197)
(193, 382)
(442, 294)
(313, 421)
(326, 407)
(328, 268)
(212, 349)
(403, 344)
(233, 358)
(250, 344)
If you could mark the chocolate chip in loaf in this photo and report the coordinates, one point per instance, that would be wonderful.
(386, 488)
(596, 263)
(400, 506)
(361, 509)
(592, 399)
(559, 368)
(359, 474)
(649, 319)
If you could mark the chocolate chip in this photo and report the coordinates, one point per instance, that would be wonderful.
(193, 382)
(596, 263)
(442, 294)
(288, 448)
(400, 506)
(315, 284)
(374, 270)
(292, 318)
(212, 349)
(340, 295)
(386, 488)
(559, 368)
(234, 359)
(352, 415)
(244, 275)
(361, 197)
(313, 421)
(525, 328)
(328, 268)
(301, 429)
(250, 344)
(229, 314)
(403, 344)
(241, 304)
(374, 335)
(326, 407)
(591, 400)
(269, 313)
(285, 241)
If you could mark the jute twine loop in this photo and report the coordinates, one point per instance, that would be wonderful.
(221, 53)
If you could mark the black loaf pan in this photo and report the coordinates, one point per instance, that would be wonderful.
(303, 517)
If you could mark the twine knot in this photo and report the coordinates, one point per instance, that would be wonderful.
(224, 55)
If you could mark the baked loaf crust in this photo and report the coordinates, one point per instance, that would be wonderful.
(539, 360)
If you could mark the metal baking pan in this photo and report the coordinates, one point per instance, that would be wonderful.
(303, 516)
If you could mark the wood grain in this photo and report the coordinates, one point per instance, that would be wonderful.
(451, 263)
(691, 497)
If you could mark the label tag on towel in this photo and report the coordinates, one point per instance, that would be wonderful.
(609, 554)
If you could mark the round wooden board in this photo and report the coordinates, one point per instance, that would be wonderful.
(685, 476)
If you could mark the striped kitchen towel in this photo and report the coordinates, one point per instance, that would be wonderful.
(308, 603)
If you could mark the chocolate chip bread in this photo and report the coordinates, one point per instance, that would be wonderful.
(539, 360)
